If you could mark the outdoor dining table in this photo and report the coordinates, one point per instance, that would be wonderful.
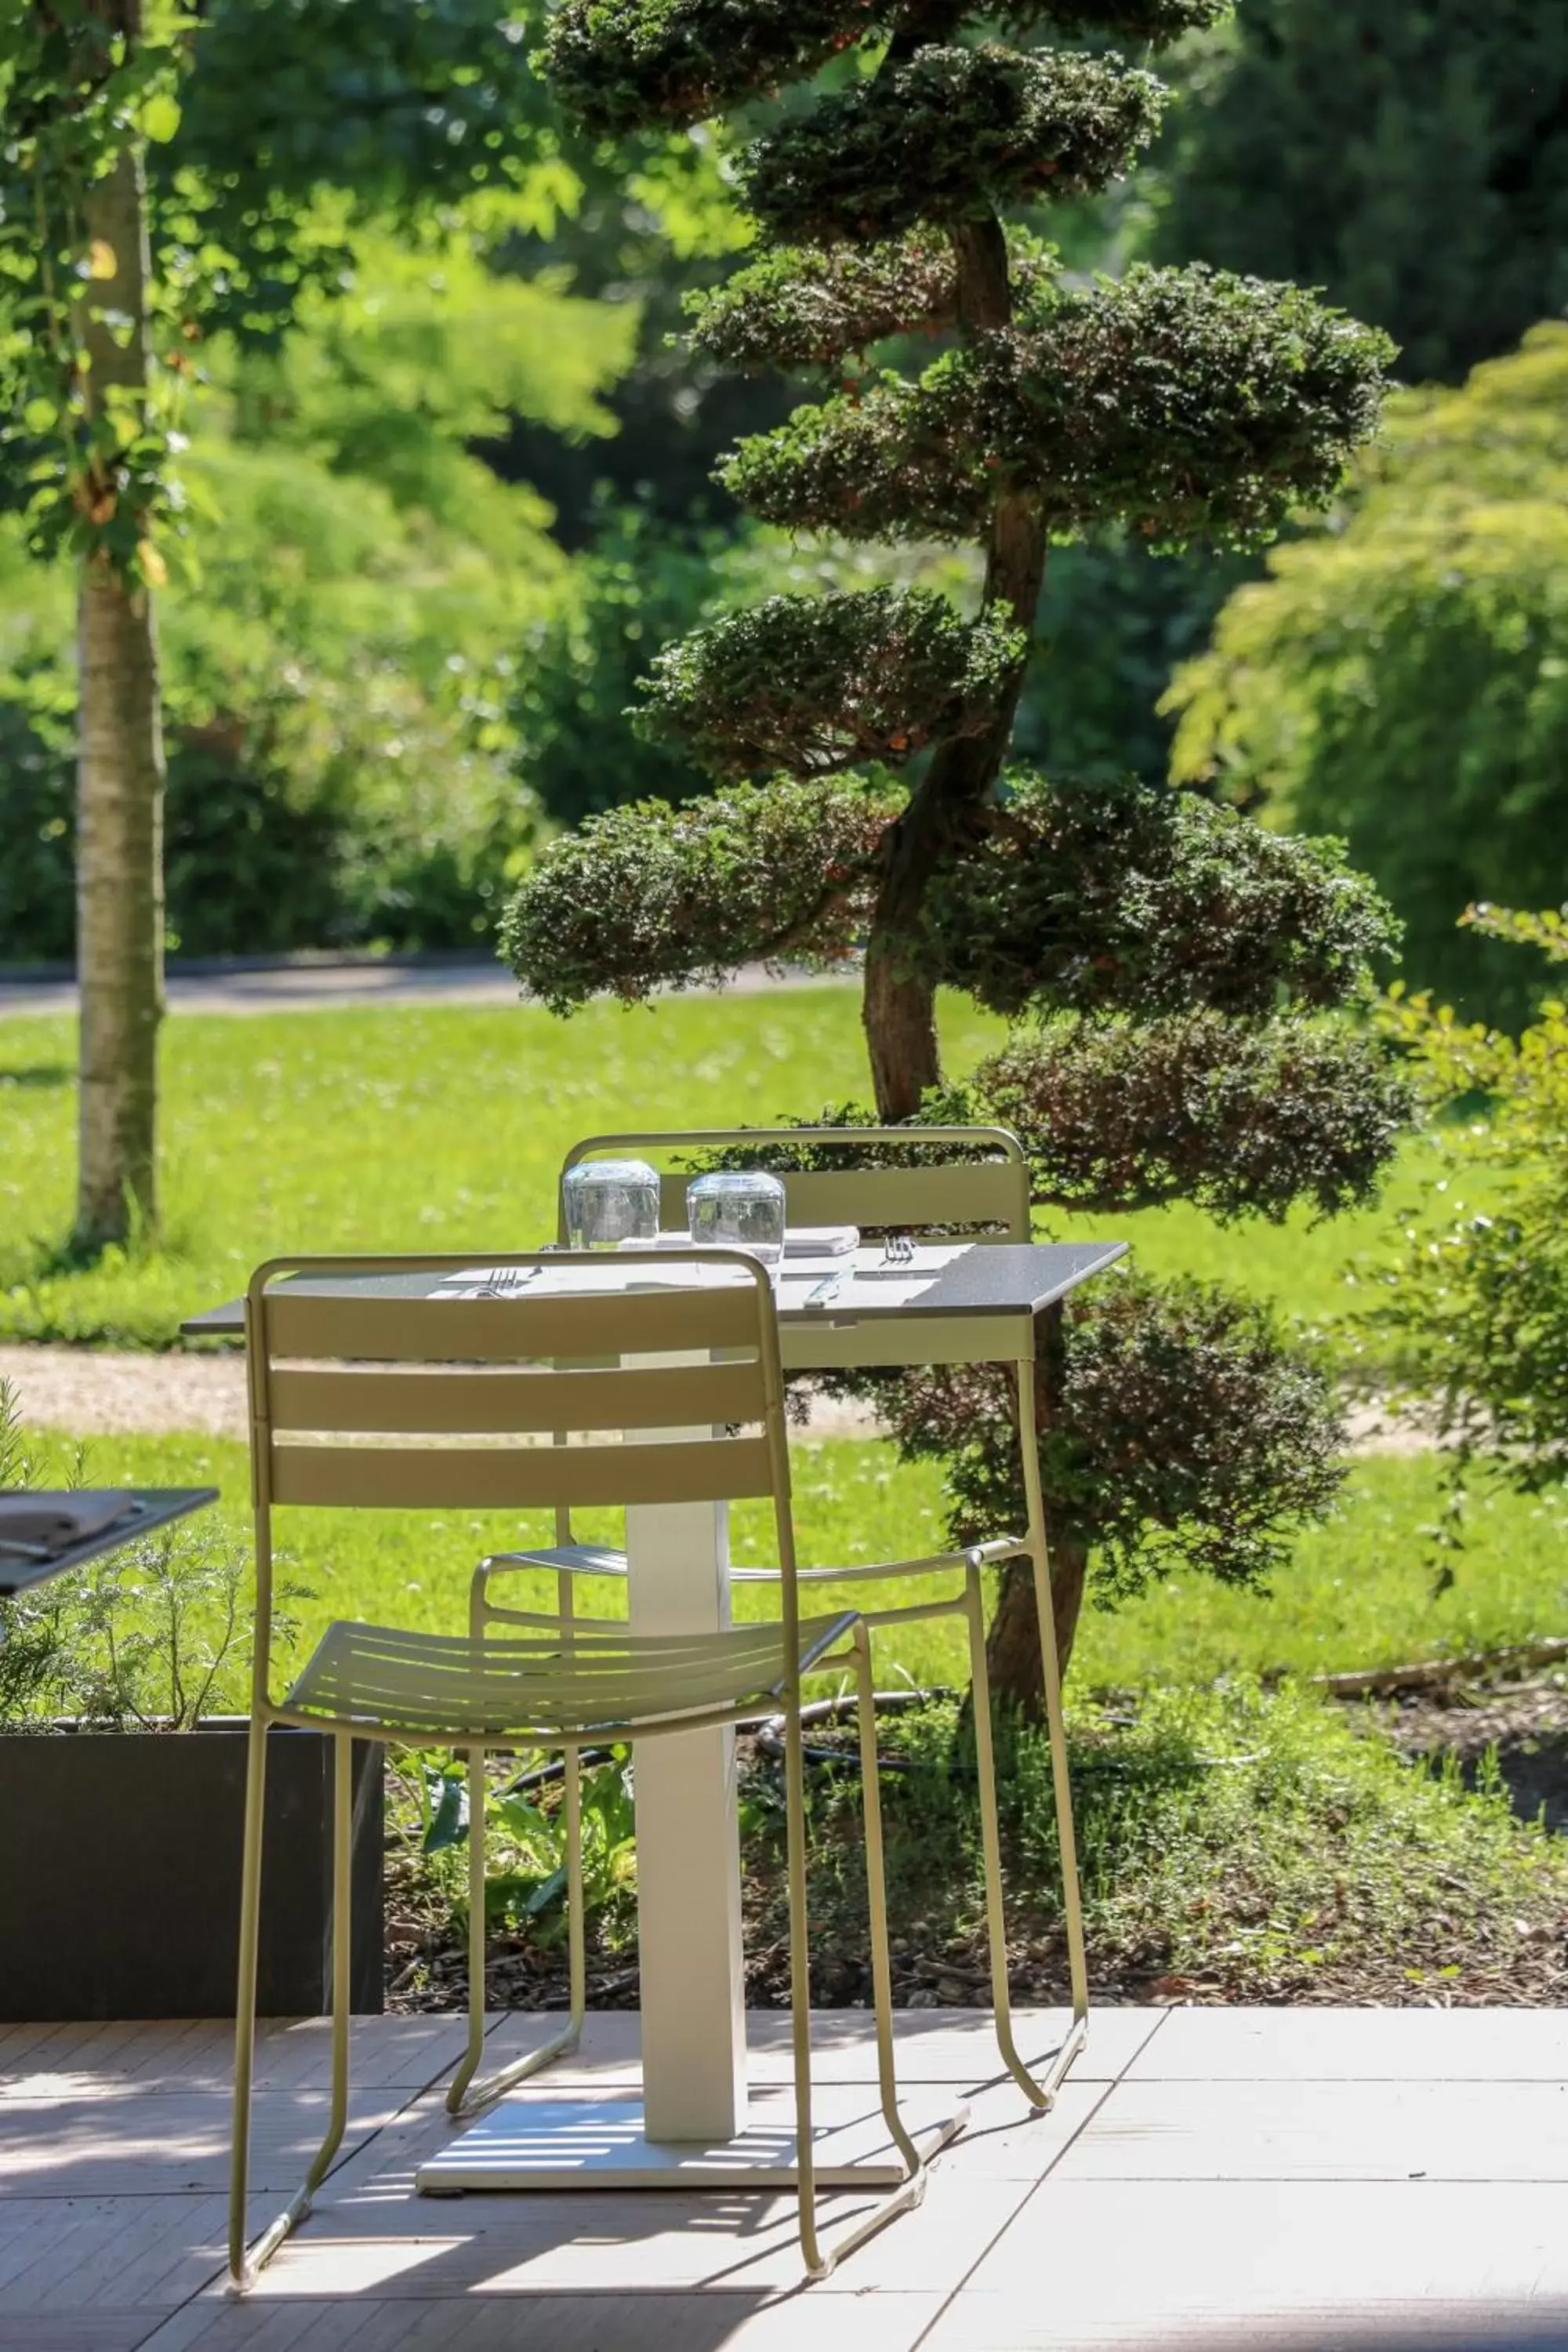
(126, 1518)
(696, 2126)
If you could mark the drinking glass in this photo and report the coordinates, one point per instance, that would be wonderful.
(739, 1208)
(609, 1202)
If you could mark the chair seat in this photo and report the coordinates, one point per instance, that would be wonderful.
(387, 1684)
(603, 1559)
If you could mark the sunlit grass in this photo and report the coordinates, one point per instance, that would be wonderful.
(402, 1129)
(1357, 1593)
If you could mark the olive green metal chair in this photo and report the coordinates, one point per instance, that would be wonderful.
(987, 1194)
(397, 1399)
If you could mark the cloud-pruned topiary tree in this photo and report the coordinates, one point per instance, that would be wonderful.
(1171, 963)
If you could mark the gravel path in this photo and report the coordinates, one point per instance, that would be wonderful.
(318, 987)
(91, 1393)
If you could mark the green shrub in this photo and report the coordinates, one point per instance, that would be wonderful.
(1401, 678)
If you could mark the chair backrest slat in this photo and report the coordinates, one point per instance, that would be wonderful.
(520, 1477)
(992, 1189)
(683, 1396)
(376, 1396)
(502, 1330)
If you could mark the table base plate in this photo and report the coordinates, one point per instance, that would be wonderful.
(534, 2141)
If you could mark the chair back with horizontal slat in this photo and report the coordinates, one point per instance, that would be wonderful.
(990, 1190)
(385, 1397)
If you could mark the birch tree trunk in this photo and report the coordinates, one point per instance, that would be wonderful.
(119, 774)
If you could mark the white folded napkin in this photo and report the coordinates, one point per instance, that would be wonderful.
(47, 1521)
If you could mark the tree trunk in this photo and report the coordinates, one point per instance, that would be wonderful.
(1013, 1644)
(119, 773)
(898, 1008)
(898, 1011)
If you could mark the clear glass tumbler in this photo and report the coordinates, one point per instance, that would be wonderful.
(738, 1208)
(609, 1202)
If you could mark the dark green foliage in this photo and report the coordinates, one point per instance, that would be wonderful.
(621, 66)
(1104, 894)
(1407, 155)
(259, 858)
(38, 887)
(651, 896)
(805, 306)
(1183, 403)
(813, 684)
(1115, 621)
(638, 587)
(1191, 1431)
(946, 137)
(1155, 21)
(1242, 1117)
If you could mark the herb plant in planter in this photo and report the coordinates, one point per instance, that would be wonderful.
(1173, 970)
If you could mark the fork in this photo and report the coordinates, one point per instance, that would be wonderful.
(898, 1250)
(507, 1280)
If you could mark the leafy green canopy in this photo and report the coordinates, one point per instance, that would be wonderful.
(1480, 1314)
(1123, 896)
(1158, 22)
(339, 641)
(947, 136)
(1104, 893)
(1185, 403)
(1402, 676)
(622, 66)
(1242, 1117)
(807, 305)
(394, 109)
(649, 896)
(810, 684)
(1408, 156)
(1191, 1430)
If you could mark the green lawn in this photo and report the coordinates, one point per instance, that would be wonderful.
(1357, 1593)
(405, 1128)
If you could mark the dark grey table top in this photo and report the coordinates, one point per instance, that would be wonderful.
(151, 1507)
(986, 1278)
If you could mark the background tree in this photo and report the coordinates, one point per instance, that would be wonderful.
(1478, 1312)
(159, 182)
(1320, 141)
(1326, 138)
(81, 88)
(1401, 678)
(1171, 959)
(350, 621)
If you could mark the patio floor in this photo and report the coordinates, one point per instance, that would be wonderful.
(1212, 2178)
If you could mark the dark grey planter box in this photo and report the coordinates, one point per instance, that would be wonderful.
(119, 1864)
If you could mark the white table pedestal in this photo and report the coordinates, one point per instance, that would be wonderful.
(694, 2125)
(693, 1971)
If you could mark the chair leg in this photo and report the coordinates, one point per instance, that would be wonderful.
(817, 2262)
(465, 2096)
(877, 1905)
(1036, 2093)
(456, 2102)
(1072, 1898)
(245, 2265)
(245, 2001)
